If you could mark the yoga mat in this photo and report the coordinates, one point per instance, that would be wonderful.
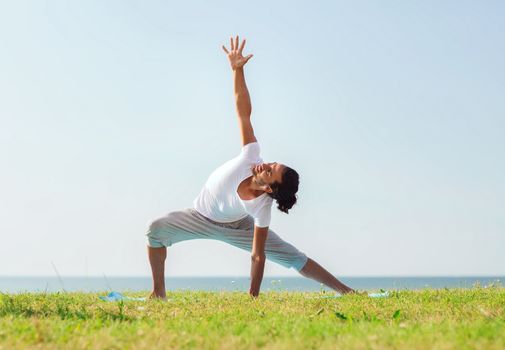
(116, 296)
(371, 295)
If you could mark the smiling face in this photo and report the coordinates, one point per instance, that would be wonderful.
(268, 173)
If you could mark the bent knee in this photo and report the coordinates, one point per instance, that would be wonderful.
(160, 231)
(155, 234)
(162, 223)
(156, 225)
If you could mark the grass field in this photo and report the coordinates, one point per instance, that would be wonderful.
(428, 319)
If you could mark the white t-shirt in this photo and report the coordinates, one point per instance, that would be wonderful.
(219, 201)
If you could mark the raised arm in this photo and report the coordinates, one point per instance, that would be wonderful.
(242, 98)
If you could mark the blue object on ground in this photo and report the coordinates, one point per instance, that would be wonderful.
(371, 295)
(116, 296)
(379, 295)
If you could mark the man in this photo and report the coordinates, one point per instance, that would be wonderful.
(234, 206)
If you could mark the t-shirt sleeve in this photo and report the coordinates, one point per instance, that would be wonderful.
(251, 151)
(262, 219)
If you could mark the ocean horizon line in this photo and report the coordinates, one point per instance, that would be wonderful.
(16, 284)
(269, 276)
(247, 276)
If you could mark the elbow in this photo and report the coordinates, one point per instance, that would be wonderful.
(244, 110)
(244, 115)
(242, 93)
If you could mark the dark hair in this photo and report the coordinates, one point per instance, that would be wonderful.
(285, 192)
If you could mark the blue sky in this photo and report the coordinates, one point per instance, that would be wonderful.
(115, 113)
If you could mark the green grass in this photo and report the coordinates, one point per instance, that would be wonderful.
(427, 319)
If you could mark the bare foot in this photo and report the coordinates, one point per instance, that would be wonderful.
(347, 291)
(357, 292)
(158, 295)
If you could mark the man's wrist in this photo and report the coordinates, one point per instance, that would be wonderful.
(258, 258)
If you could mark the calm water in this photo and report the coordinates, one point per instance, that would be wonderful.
(53, 284)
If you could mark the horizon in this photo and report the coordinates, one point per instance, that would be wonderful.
(168, 277)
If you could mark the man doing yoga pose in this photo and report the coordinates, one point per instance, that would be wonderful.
(234, 206)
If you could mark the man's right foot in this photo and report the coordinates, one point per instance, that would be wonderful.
(158, 295)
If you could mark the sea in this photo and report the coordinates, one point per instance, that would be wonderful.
(51, 284)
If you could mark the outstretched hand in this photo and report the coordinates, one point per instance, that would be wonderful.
(235, 55)
(254, 291)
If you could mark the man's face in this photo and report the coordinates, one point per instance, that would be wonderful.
(268, 173)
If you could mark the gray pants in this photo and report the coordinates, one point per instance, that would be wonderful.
(189, 224)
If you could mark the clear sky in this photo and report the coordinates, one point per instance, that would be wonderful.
(114, 113)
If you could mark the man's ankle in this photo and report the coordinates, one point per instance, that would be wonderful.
(157, 293)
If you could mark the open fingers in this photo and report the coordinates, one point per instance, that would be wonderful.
(241, 47)
(234, 45)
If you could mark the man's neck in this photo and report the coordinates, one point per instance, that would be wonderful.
(253, 187)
